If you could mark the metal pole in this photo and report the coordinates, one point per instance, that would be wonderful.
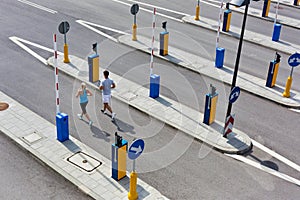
(237, 61)
(134, 19)
(65, 34)
(291, 74)
(276, 12)
(219, 24)
(133, 166)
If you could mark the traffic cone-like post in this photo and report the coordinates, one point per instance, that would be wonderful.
(134, 10)
(132, 194)
(288, 86)
(197, 11)
(66, 53)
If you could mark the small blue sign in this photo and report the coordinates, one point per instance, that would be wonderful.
(294, 60)
(136, 149)
(234, 94)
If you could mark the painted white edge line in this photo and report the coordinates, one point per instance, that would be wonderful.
(38, 6)
(96, 30)
(100, 26)
(295, 110)
(160, 8)
(276, 155)
(264, 168)
(20, 41)
(150, 11)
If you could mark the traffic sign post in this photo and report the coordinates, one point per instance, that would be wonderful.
(134, 10)
(234, 95)
(63, 28)
(294, 61)
(134, 151)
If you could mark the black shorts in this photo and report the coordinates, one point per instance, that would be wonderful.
(83, 107)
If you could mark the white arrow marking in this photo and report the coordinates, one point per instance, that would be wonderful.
(136, 150)
(20, 41)
(292, 60)
(38, 6)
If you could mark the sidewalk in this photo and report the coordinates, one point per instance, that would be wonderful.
(256, 38)
(171, 112)
(38, 137)
(206, 67)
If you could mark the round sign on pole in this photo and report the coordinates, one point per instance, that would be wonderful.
(234, 94)
(136, 149)
(64, 27)
(134, 9)
(294, 60)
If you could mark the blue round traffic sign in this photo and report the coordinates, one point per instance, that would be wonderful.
(136, 149)
(294, 60)
(234, 94)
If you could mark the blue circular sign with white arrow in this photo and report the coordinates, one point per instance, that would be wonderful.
(136, 149)
(294, 60)
(234, 94)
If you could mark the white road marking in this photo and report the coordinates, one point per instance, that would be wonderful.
(20, 41)
(150, 11)
(38, 6)
(295, 110)
(276, 155)
(160, 8)
(264, 168)
(90, 24)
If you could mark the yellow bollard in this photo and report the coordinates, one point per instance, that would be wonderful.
(66, 54)
(288, 85)
(132, 194)
(134, 26)
(197, 12)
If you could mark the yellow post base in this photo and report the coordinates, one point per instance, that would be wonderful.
(288, 85)
(134, 26)
(197, 12)
(132, 194)
(66, 54)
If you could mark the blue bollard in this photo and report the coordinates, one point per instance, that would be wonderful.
(62, 127)
(219, 57)
(154, 85)
(276, 32)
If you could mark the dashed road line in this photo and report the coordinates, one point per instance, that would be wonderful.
(38, 6)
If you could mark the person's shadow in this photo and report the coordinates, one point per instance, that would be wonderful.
(123, 126)
(97, 133)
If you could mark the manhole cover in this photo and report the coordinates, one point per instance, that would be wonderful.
(84, 161)
(3, 106)
(32, 138)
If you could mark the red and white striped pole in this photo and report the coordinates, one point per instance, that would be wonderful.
(219, 24)
(152, 43)
(56, 74)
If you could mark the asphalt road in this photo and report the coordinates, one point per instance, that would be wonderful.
(24, 177)
(178, 172)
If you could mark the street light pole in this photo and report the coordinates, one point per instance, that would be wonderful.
(237, 61)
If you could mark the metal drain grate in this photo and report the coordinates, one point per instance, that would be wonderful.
(84, 161)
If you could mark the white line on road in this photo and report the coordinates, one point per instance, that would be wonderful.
(150, 11)
(20, 41)
(160, 8)
(276, 155)
(90, 24)
(295, 110)
(264, 168)
(38, 6)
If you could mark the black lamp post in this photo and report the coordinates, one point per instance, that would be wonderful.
(238, 3)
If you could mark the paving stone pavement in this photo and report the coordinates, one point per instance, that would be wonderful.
(38, 137)
(207, 68)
